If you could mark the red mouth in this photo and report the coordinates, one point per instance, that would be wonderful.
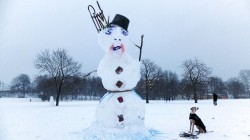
(115, 48)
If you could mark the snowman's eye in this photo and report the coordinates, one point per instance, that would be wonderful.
(125, 33)
(108, 32)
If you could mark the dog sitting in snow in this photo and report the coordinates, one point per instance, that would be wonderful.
(195, 120)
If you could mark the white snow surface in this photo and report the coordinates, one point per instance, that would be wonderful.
(118, 115)
(24, 120)
(132, 111)
(122, 112)
(132, 108)
(51, 101)
(130, 75)
(113, 36)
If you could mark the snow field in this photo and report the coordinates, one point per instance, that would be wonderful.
(24, 120)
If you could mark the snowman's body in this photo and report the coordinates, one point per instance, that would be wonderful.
(51, 101)
(120, 107)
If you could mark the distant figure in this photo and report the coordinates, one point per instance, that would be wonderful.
(215, 97)
(30, 100)
(51, 101)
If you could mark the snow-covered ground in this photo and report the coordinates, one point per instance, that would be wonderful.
(24, 120)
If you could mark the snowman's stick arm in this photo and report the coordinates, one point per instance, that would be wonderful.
(86, 75)
(140, 47)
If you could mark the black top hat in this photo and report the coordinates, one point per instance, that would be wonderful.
(121, 21)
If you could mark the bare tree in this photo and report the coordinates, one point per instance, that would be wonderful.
(21, 83)
(1, 86)
(235, 87)
(59, 65)
(215, 84)
(44, 86)
(196, 73)
(150, 73)
(160, 89)
(244, 76)
(185, 89)
(171, 85)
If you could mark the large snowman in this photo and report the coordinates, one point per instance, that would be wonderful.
(120, 107)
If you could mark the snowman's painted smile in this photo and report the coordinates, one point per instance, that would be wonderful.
(116, 48)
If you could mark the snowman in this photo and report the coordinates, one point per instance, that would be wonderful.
(120, 107)
(51, 101)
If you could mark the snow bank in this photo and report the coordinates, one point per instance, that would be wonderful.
(230, 120)
(15, 100)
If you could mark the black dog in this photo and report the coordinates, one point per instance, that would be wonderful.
(195, 120)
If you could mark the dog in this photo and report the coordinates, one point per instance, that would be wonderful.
(195, 120)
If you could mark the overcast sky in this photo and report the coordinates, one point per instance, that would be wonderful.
(217, 32)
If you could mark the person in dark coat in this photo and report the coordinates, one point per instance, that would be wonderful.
(195, 120)
(215, 97)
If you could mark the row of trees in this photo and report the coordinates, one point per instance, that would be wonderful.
(196, 83)
(62, 78)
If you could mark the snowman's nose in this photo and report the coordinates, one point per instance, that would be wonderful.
(117, 39)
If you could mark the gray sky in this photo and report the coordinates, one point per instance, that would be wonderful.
(216, 32)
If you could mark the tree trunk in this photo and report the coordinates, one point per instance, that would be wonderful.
(147, 89)
(59, 93)
(147, 93)
(147, 100)
(195, 95)
(57, 98)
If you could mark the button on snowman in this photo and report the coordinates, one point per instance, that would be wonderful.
(120, 107)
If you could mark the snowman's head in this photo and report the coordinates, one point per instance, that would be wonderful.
(113, 39)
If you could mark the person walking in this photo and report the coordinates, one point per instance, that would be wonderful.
(215, 97)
